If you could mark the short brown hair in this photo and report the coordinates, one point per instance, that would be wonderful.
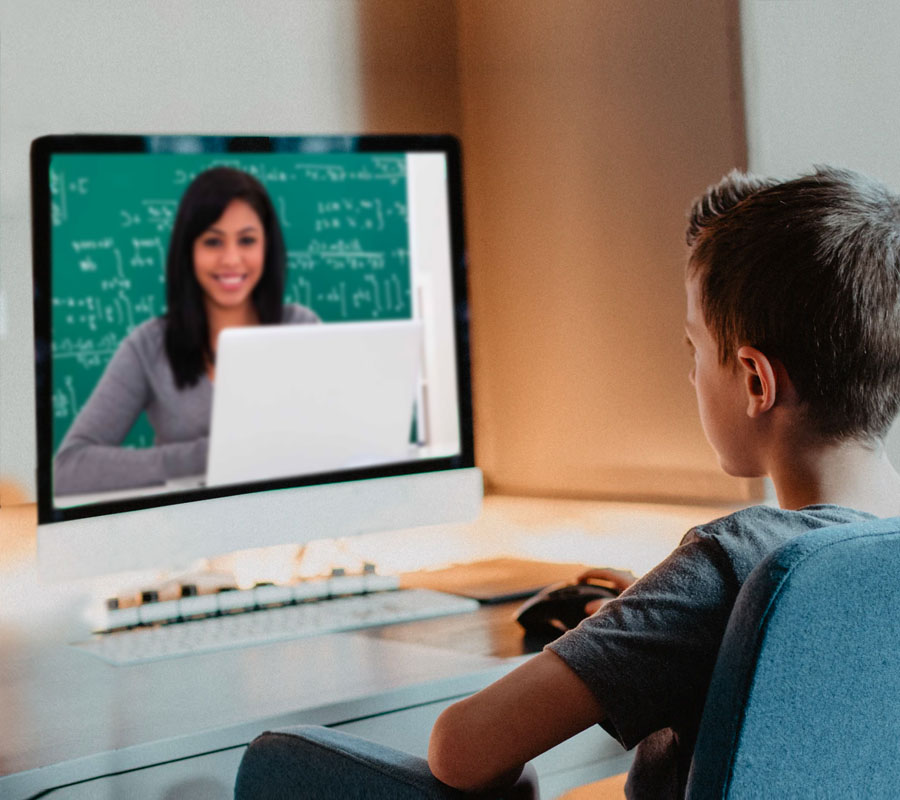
(808, 272)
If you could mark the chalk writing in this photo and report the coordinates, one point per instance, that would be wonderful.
(160, 213)
(344, 219)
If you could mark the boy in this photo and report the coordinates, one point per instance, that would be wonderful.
(793, 320)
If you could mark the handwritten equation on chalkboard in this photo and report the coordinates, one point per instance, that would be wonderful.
(344, 218)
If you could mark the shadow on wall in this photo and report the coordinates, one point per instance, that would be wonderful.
(11, 493)
(409, 72)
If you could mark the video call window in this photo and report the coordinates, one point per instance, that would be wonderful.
(356, 239)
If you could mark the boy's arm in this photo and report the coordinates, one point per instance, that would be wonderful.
(484, 741)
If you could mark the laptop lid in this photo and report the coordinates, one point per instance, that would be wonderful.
(292, 400)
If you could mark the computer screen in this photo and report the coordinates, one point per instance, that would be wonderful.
(243, 341)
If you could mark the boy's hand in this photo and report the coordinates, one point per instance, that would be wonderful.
(621, 579)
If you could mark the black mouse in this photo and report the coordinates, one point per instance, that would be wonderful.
(560, 607)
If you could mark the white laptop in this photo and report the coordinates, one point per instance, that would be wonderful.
(291, 400)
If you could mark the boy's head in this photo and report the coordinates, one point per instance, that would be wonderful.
(808, 272)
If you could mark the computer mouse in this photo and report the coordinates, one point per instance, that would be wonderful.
(560, 607)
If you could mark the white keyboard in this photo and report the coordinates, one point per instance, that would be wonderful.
(151, 643)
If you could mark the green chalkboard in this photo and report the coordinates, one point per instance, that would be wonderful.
(344, 219)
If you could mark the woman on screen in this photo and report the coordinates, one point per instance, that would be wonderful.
(225, 268)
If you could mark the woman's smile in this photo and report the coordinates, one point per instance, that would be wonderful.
(231, 280)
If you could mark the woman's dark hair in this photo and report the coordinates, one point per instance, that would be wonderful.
(204, 201)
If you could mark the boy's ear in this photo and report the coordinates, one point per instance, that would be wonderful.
(761, 380)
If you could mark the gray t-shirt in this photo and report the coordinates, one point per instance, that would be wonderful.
(648, 655)
(139, 378)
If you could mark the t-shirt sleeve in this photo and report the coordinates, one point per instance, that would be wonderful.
(648, 655)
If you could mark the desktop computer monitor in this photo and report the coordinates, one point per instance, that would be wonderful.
(334, 268)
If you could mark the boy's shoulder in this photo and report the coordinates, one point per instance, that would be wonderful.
(765, 518)
(745, 537)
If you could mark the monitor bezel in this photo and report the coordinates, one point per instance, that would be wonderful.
(42, 151)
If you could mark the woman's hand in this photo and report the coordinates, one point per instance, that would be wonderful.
(619, 579)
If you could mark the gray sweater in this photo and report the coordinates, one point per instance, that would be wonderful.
(139, 378)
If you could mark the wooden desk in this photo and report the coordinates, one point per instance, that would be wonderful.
(177, 728)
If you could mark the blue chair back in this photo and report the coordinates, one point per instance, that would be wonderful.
(805, 695)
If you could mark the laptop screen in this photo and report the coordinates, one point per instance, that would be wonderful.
(344, 395)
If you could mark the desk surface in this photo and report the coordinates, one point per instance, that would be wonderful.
(68, 716)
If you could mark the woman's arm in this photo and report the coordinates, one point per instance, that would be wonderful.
(91, 458)
(84, 466)
(483, 742)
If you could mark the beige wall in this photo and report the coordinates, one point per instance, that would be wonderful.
(806, 106)
(589, 127)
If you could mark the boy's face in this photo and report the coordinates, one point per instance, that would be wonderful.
(721, 394)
